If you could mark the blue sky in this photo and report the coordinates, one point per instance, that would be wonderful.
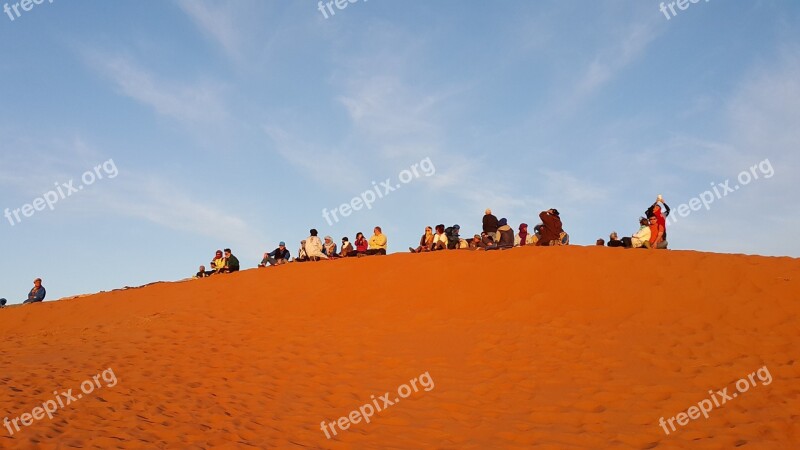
(233, 124)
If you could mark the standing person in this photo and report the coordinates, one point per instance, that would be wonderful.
(218, 263)
(276, 257)
(347, 248)
(551, 228)
(37, 293)
(655, 210)
(361, 245)
(505, 234)
(231, 262)
(439, 239)
(314, 246)
(425, 242)
(490, 224)
(377, 243)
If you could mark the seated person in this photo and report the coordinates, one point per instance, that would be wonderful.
(475, 243)
(523, 237)
(361, 245)
(640, 239)
(276, 257)
(551, 230)
(218, 263)
(377, 243)
(505, 234)
(231, 262)
(613, 240)
(347, 248)
(201, 273)
(487, 242)
(440, 241)
(329, 248)
(425, 242)
(37, 293)
(453, 238)
(656, 234)
(314, 247)
(302, 256)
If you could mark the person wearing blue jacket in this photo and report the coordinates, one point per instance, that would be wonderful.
(276, 257)
(37, 293)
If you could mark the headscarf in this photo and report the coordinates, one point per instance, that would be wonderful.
(523, 233)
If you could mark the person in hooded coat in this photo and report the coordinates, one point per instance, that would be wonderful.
(551, 228)
(505, 234)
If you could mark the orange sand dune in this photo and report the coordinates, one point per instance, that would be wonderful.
(544, 348)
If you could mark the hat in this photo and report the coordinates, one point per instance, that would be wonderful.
(457, 226)
(523, 225)
(344, 239)
(282, 244)
(502, 222)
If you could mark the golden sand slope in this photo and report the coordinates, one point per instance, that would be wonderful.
(546, 348)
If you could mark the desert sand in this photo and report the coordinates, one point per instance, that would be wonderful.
(532, 348)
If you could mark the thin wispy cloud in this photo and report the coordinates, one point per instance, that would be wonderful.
(609, 60)
(217, 20)
(190, 103)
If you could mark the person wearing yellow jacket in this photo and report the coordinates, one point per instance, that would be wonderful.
(377, 243)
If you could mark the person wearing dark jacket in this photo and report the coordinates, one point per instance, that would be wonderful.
(37, 294)
(231, 262)
(490, 224)
(505, 234)
(551, 228)
(276, 257)
(453, 238)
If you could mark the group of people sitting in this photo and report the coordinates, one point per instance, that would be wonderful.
(221, 263)
(313, 249)
(652, 232)
(497, 234)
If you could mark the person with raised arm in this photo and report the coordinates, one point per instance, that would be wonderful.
(551, 228)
